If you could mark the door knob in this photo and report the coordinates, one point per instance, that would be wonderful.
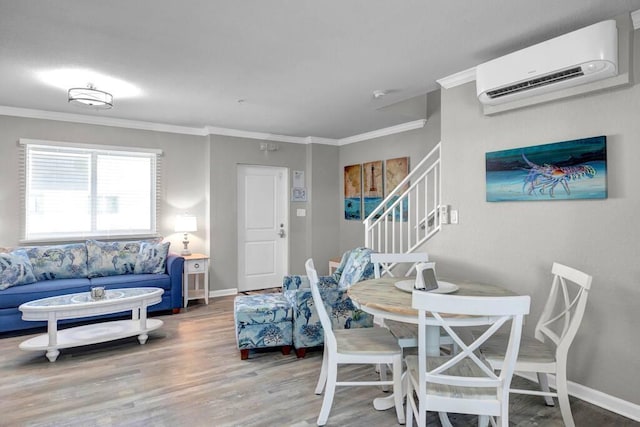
(281, 232)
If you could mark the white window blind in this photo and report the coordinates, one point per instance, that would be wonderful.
(77, 191)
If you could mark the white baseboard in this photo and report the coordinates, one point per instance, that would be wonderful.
(595, 397)
(223, 292)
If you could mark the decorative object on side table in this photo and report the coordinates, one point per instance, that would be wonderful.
(195, 264)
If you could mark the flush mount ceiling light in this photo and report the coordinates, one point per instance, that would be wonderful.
(91, 97)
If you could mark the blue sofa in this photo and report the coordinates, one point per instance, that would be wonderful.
(66, 269)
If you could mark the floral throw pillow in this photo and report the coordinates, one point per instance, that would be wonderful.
(112, 258)
(15, 269)
(152, 258)
(58, 261)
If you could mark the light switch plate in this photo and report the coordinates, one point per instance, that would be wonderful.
(301, 212)
(453, 216)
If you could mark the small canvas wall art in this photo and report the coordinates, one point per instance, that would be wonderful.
(372, 186)
(568, 170)
(395, 171)
(352, 192)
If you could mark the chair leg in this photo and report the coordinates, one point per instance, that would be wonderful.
(483, 420)
(409, 404)
(543, 381)
(444, 419)
(382, 370)
(397, 387)
(244, 354)
(563, 397)
(301, 352)
(332, 373)
(323, 372)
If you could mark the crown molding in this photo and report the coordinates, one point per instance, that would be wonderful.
(635, 17)
(319, 140)
(458, 79)
(213, 130)
(205, 131)
(403, 127)
(102, 121)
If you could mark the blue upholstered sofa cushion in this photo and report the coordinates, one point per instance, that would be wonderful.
(58, 261)
(111, 258)
(16, 295)
(133, 281)
(15, 269)
(152, 258)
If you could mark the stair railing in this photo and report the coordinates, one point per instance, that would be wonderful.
(409, 215)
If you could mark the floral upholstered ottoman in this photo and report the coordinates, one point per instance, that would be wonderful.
(263, 320)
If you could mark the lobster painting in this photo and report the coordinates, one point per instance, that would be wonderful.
(567, 170)
(541, 178)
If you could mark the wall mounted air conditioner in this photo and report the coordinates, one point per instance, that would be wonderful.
(579, 57)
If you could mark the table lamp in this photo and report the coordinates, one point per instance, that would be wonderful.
(186, 224)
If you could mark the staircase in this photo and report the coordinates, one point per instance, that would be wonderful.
(409, 215)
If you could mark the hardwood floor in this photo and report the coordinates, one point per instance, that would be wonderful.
(190, 374)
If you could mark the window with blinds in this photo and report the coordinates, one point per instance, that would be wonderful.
(77, 191)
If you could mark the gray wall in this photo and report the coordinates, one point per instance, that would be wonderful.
(415, 143)
(228, 152)
(184, 171)
(199, 177)
(514, 244)
(324, 202)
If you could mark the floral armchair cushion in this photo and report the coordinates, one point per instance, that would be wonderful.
(357, 267)
(307, 331)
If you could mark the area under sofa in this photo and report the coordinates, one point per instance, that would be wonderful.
(113, 265)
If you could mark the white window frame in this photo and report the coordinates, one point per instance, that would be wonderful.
(94, 150)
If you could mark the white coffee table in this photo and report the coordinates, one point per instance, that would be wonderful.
(75, 306)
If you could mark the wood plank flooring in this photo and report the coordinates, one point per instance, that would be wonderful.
(190, 374)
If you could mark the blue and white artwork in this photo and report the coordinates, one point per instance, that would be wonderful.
(353, 192)
(567, 170)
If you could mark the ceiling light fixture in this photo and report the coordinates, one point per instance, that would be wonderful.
(91, 97)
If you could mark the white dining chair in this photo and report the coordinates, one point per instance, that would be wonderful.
(464, 382)
(554, 333)
(353, 346)
(384, 264)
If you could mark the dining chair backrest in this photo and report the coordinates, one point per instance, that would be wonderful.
(564, 309)
(462, 374)
(384, 263)
(329, 337)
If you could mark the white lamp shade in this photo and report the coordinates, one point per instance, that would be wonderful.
(186, 223)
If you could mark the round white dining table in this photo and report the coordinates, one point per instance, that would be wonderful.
(382, 298)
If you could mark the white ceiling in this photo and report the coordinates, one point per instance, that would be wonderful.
(302, 67)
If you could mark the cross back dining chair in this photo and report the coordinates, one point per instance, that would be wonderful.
(353, 346)
(554, 333)
(384, 263)
(464, 382)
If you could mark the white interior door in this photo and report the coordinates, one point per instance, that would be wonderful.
(263, 233)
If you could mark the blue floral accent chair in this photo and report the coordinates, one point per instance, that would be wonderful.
(355, 266)
(263, 320)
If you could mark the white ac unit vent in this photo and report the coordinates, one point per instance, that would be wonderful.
(579, 57)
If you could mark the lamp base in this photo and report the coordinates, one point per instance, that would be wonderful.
(185, 242)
